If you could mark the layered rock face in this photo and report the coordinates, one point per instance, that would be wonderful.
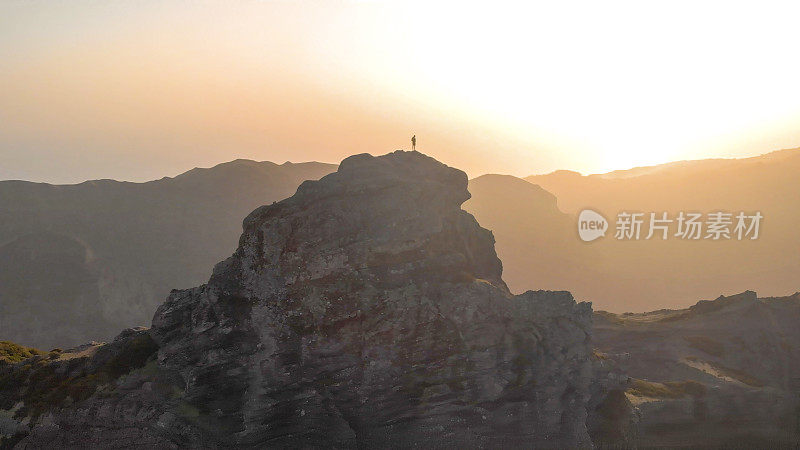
(366, 310)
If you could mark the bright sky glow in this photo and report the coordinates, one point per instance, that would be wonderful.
(138, 90)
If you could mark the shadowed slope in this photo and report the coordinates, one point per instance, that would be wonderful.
(139, 240)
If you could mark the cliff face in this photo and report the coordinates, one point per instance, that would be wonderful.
(366, 310)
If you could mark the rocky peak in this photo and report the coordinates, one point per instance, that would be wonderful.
(368, 310)
(388, 219)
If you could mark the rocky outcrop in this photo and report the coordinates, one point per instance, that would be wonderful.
(39, 388)
(722, 373)
(366, 310)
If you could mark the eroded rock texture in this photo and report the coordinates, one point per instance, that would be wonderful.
(723, 373)
(368, 310)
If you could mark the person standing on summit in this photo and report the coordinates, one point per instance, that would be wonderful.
(414, 142)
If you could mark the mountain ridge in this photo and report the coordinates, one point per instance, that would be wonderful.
(145, 239)
(678, 164)
(240, 162)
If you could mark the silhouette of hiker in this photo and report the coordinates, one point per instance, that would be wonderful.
(414, 142)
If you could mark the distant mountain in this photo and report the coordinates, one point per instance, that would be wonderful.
(641, 275)
(722, 373)
(536, 242)
(79, 262)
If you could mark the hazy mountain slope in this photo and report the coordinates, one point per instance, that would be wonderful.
(82, 261)
(49, 291)
(536, 242)
(723, 372)
(642, 275)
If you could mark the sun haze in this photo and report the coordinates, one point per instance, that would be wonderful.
(136, 91)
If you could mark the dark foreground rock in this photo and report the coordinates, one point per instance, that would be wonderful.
(368, 310)
(723, 373)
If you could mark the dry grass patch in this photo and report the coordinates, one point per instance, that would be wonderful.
(669, 389)
(14, 353)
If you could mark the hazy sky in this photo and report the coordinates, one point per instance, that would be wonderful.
(140, 89)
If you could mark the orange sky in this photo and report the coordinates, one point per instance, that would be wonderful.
(139, 90)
